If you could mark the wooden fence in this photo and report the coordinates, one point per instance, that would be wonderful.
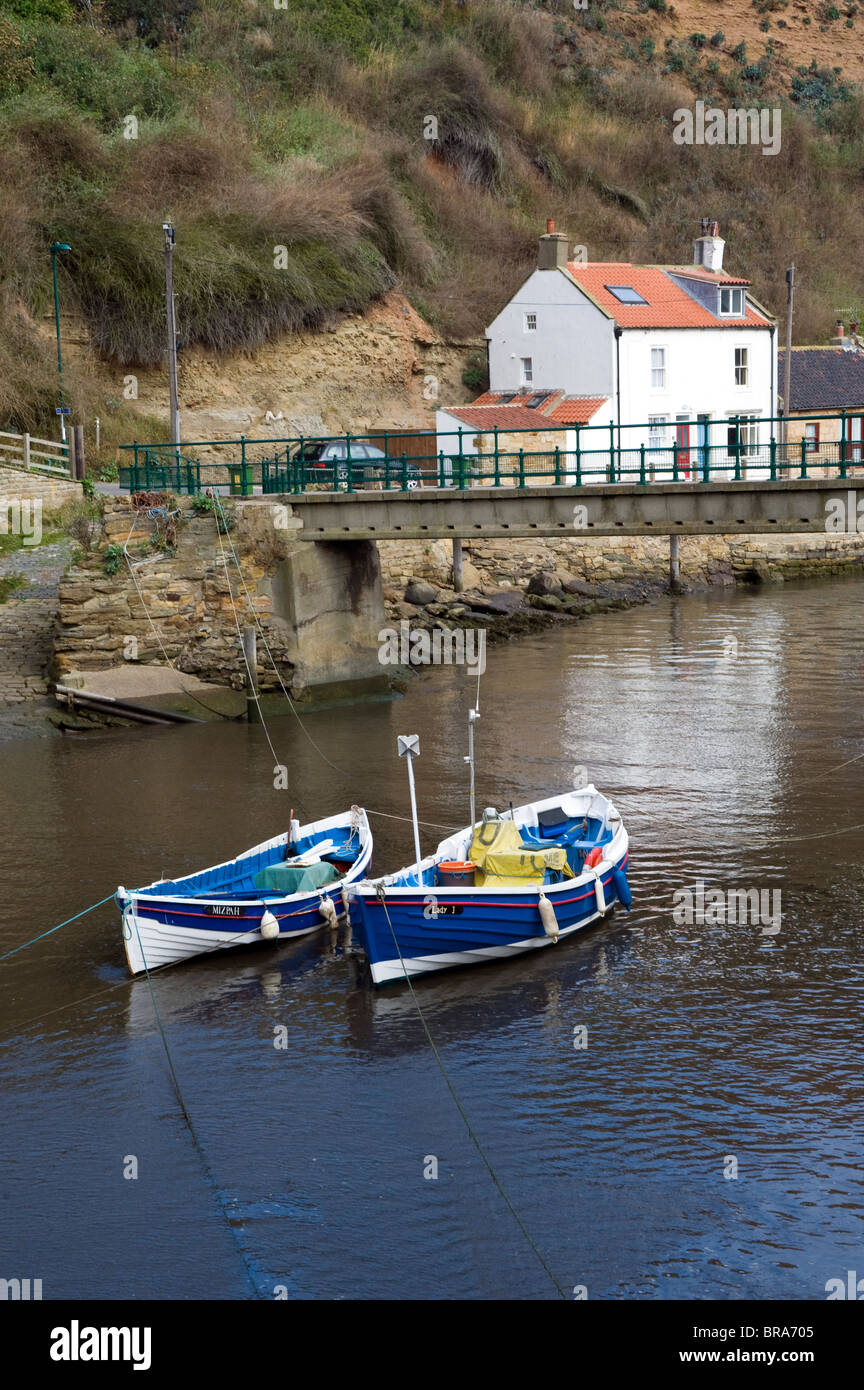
(36, 455)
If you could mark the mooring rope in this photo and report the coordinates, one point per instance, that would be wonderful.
(51, 930)
(186, 691)
(208, 1172)
(260, 627)
(252, 682)
(459, 1106)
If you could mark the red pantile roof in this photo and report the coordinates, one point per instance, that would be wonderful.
(576, 410)
(486, 412)
(506, 417)
(668, 306)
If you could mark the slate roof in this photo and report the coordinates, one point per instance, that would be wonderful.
(699, 272)
(824, 378)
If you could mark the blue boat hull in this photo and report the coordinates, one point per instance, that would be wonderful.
(435, 930)
(174, 920)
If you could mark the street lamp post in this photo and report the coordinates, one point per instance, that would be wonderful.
(171, 320)
(56, 247)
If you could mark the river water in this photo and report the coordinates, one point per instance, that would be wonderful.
(715, 723)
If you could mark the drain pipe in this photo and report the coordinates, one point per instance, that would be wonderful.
(618, 333)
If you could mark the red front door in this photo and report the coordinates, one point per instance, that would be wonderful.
(682, 447)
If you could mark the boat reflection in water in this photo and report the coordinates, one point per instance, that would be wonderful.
(322, 978)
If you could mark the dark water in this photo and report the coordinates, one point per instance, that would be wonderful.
(704, 1042)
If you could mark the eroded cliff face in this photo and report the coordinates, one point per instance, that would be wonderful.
(381, 369)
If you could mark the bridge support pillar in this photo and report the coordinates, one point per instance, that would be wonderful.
(329, 595)
(458, 584)
(674, 564)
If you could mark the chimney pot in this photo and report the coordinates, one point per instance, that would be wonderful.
(839, 329)
(550, 226)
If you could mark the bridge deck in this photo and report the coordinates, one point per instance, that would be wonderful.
(749, 506)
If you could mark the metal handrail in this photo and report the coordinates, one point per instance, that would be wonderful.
(285, 469)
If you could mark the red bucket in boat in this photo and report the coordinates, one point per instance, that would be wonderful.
(457, 873)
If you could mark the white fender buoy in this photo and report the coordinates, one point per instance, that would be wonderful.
(327, 908)
(548, 918)
(269, 927)
(599, 895)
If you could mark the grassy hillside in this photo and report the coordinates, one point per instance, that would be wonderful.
(312, 128)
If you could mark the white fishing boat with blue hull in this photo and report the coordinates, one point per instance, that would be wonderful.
(512, 883)
(286, 887)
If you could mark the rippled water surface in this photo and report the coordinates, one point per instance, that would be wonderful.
(706, 1043)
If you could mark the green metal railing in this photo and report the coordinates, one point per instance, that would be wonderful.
(586, 454)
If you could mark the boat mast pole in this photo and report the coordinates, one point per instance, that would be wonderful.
(473, 715)
(408, 746)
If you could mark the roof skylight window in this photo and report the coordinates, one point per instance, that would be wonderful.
(626, 294)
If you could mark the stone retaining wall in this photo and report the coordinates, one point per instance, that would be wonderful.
(18, 483)
(103, 620)
(307, 620)
(704, 559)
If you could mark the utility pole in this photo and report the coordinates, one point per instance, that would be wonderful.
(56, 248)
(787, 366)
(171, 318)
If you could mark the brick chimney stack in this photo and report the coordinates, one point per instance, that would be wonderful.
(552, 253)
(839, 335)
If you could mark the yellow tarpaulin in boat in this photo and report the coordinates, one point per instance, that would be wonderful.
(502, 862)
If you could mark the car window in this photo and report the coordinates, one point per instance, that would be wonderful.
(334, 451)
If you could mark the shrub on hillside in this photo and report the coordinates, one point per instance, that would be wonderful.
(238, 282)
(16, 67)
(40, 9)
(93, 73)
(469, 120)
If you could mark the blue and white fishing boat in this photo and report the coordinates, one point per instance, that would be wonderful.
(285, 887)
(506, 884)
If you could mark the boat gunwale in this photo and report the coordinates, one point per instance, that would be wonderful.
(368, 888)
(132, 896)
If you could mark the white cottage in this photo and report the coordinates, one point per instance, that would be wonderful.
(667, 355)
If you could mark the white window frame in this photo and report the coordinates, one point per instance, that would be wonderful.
(530, 325)
(743, 367)
(526, 369)
(658, 434)
(736, 296)
(748, 433)
(661, 371)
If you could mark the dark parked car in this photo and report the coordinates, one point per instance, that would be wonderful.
(326, 462)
